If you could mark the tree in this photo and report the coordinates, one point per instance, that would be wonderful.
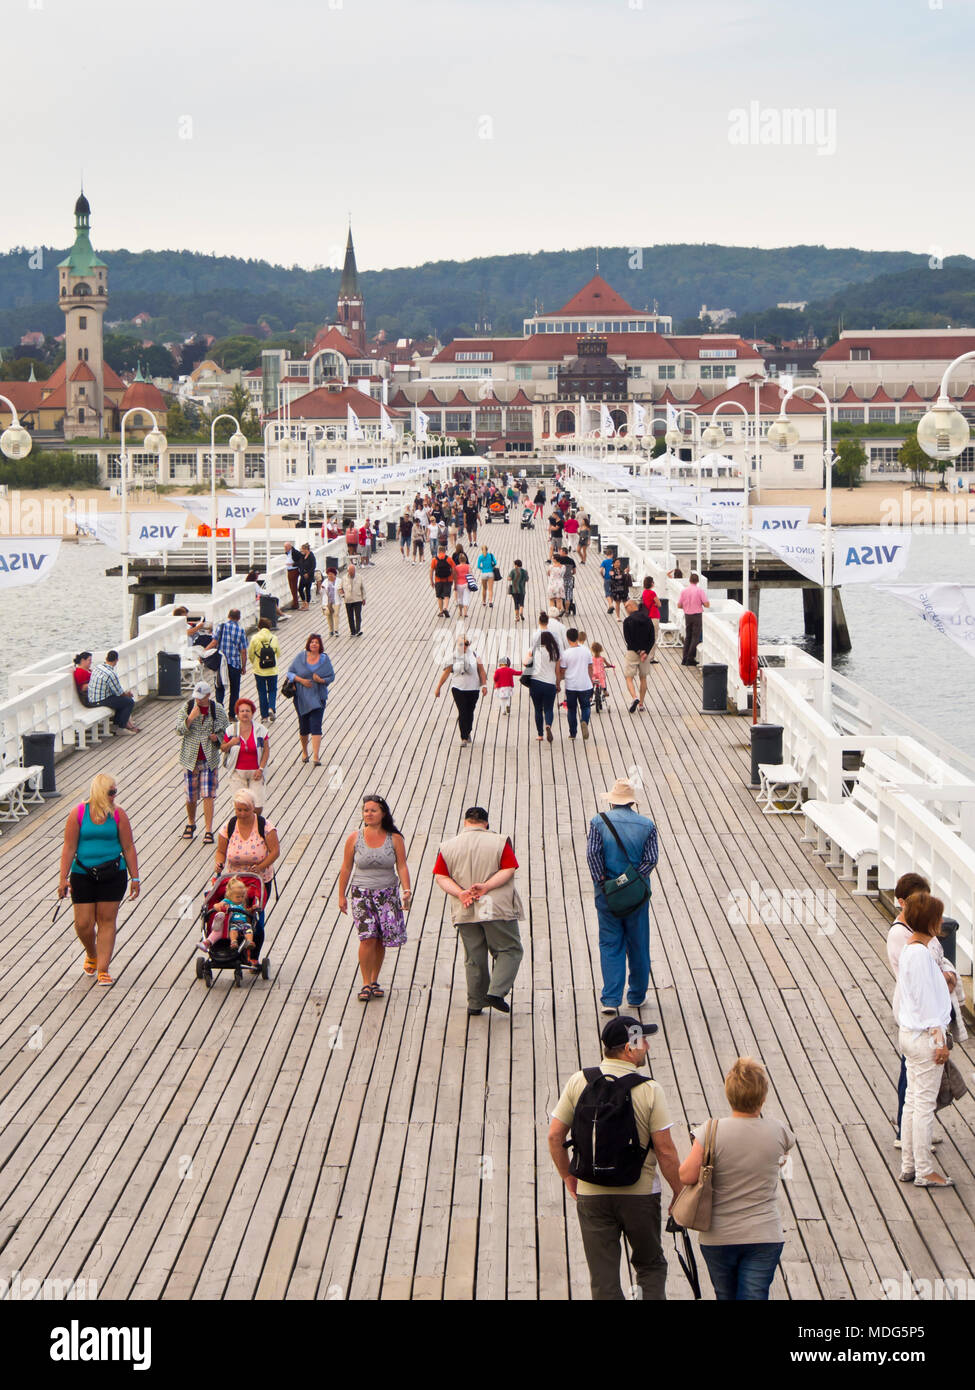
(240, 405)
(19, 369)
(239, 351)
(851, 459)
(912, 456)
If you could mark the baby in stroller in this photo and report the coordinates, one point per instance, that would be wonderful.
(234, 916)
(527, 524)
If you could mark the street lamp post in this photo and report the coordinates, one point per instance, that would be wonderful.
(783, 434)
(237, 443)
(714, 438)
(155, 442)
(944, 432)
(15, 442)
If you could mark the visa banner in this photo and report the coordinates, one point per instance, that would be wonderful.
(948, 608)
(149, 532)
(26, 560)
(869, 556)
(780, 518)
(802, 550)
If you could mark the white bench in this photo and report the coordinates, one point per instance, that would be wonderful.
(670, 635)
(96, 721)
(781, 785)
(848, 834)
(20, 787)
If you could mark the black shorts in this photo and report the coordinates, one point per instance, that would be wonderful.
(442, 588)
(84, 889)
(310, 723)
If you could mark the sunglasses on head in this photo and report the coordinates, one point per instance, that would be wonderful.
(113, 791)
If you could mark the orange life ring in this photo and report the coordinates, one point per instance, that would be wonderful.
(748, 648)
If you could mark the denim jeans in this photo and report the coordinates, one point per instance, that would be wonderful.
(582, 698)
(267, 694)
(543, 700)
(123, 705)
(233, 675)
(742, 1273)
(623, 941)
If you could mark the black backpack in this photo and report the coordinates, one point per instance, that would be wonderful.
(443, 569)
(265, 655)
(261, 823)
(605, 1146)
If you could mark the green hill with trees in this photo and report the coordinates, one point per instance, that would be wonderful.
(185, 292)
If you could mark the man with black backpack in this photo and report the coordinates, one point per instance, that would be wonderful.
(616, 1123)
(442, 570)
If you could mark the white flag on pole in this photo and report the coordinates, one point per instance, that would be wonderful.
(289, 497)
(673, 420)
(385, 388)
(387, 429)
(235, 512)
(24, 561)
(606, 427)
(362, 382)
(870, 556)
(422, 421)
(353, 429)
(639, 420)
(583, 416)
(802, 549)
(948, 608)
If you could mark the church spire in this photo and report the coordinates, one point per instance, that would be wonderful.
(349, 288)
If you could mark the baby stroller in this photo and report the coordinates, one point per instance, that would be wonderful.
(497, 509)
(222, 955)
(527, 524)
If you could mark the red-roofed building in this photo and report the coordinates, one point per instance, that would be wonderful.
(896, 359)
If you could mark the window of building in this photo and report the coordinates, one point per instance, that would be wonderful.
(519, 421)
(552, 372)
(718, 352)
(475, 357)
(81, 417)
(634, 373)
(82, 320)
(798, 462)
(523, 374)
(860, 354)
(458, 421)
(489, 421)
(667, 372)
(885, 458)
(882, 414)
(853, 415)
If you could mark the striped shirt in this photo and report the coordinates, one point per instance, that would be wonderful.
(104, 681)
(231, 637)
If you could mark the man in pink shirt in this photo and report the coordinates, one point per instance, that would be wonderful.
(693, 600)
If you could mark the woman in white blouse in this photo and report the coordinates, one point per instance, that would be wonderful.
(923, 1013)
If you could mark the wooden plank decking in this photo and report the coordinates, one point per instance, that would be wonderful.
(283, 1141)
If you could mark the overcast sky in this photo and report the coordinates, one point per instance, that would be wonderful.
(458, 128)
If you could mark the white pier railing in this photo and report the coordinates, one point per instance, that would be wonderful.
(926, 797)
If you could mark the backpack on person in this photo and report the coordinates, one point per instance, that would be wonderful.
(629, 890)
(605, 1144)
(442, 570)
(265, 655)
(232, 826)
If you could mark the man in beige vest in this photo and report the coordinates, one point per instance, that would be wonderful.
(477, 869)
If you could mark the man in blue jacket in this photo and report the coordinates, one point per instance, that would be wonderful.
(624, 942)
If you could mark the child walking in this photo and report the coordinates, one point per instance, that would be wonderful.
(504, 683)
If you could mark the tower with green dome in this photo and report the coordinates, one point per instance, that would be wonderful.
(83, 296)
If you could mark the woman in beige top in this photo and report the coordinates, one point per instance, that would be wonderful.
(744, 1244)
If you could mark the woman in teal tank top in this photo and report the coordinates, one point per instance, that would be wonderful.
(98, 834)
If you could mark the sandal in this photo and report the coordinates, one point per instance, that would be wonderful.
(189, 832)
(377, 991)
(208, 838)
(365, 994)
(89, 966)
(304, 760)
(104, 978)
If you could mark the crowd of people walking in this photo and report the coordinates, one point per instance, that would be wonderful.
(610, 1143)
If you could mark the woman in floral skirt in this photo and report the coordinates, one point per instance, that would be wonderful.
(373, 871)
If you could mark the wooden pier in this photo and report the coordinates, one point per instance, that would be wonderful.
(282, 1140)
